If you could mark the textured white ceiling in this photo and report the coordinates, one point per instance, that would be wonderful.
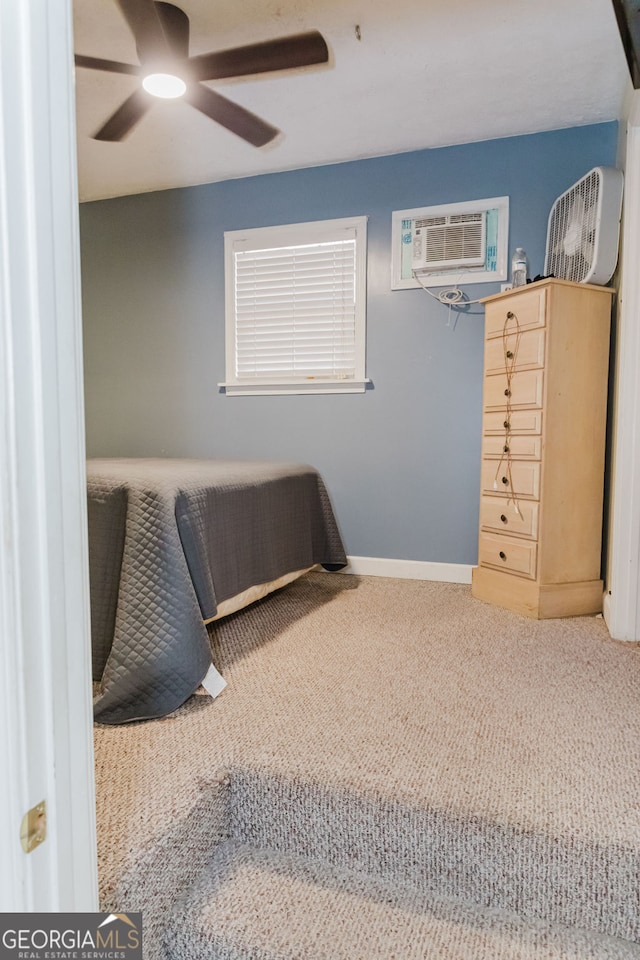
(425, 73)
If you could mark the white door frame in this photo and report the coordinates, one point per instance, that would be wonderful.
(622, 601)
(45, 693)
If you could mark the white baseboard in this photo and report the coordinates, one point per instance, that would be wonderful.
(409, 569)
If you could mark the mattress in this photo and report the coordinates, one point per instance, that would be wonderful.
(171, 542)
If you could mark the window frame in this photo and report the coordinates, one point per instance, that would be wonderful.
(454, 275)
(265, 238)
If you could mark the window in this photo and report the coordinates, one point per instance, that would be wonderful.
(296, 308)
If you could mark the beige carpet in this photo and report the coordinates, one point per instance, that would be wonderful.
(395, 770)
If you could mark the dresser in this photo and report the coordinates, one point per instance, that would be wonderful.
(543, 448)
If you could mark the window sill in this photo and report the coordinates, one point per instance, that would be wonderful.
(294, 387)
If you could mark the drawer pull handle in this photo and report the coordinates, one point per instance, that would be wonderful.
(507, 392)
(509, 354)
(502, 555)
(505, 480)
(503, 518)
(506, 425)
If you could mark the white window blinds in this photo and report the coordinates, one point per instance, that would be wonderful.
(296, 311)
(296, 308)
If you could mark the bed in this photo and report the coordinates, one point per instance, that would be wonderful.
(176, 543)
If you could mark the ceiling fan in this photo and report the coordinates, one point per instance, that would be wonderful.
(161, 33)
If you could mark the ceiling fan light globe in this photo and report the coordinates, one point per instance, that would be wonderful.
(165, 85)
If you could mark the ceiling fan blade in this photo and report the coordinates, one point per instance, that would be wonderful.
(125, 118)
(176, 28)
(111, 66)
(145, 24)
(230, 115)
(300, 50)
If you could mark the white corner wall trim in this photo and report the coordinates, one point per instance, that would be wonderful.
(622, 605)
(409, 569)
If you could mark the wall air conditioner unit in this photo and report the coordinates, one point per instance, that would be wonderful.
(449, 242)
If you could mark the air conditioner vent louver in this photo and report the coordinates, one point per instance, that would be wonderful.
(584, 227)
(430, 221)
(466, 218)
(441, 243)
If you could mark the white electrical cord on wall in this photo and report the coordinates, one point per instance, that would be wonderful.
(450, 296)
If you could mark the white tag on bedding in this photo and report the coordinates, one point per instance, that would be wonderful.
(214, 683)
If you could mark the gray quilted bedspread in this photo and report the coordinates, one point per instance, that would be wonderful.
(168, 541)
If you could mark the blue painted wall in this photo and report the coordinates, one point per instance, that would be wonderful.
(402, 460)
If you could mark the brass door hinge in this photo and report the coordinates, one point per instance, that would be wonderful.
(33, 829)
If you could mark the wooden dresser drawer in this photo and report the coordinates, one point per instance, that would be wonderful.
(522, 447)
(499, 514)
(524, 474)
(520, 421)
(509, 554)
(523, 353)
(527, 309)
(526, 389)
